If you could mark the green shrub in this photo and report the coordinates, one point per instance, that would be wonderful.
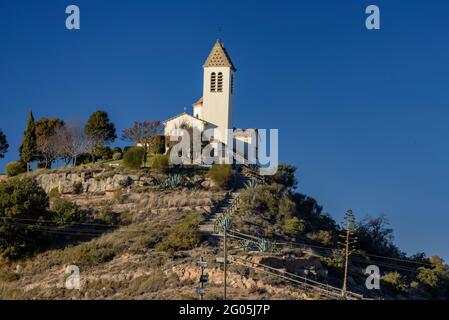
(15, 168)
(77, 188)
(221, 175)
(293, 226)
(107, 154)
(336, 260)
(322, 236)
(264, 198)
(103, 152)
(84, 158)
(183, 236)
(157, 145)
(428, 277)
(64, 211)
(133, 158)
(287, 207)
(395, 282)
(285, 176)
(90, 254)
(160, 163)
(117, 156)
(54, 193)
(20, 199)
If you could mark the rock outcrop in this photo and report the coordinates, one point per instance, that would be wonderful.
(92, 181)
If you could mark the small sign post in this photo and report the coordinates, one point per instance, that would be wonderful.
(203, 278)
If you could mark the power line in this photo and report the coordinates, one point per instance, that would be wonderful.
(71, 229)
(328, 253)
(303, 281)
(294, 243)
(74, 223)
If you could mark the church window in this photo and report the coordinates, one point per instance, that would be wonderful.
(213, 82)
(220, 82)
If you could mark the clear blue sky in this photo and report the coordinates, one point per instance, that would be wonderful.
(362, 114)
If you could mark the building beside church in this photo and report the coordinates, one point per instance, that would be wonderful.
(214, 110)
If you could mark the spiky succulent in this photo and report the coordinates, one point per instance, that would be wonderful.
(251, 184)
(247, 245)
(266, 246)
(172, 182)
(224, 221)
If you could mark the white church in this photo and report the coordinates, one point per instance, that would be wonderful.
(214, 110)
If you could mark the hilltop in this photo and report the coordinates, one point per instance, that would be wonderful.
(138, 234)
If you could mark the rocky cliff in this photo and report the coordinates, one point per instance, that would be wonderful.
(92, 181)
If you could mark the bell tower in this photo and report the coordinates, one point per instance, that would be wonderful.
(218, 90)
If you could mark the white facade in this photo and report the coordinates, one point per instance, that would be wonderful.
(215, 108)
(218, 103)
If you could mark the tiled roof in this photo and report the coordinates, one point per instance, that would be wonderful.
(200, 101)
(219, 57)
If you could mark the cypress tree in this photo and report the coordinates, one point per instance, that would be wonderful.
(28, 147)
(3, 144)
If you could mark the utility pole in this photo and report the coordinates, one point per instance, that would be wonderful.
(225, 259)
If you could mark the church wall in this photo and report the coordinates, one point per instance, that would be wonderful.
(217, 106)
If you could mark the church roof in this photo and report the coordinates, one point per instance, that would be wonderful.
(219, 57)
(182, 114)
(200, 101)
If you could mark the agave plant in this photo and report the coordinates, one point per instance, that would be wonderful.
(247, 245)
(266, 246)
(224, 221)
(172, 182)
(251, 184)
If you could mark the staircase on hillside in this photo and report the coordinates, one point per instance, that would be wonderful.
(228, 205)
(252, 174)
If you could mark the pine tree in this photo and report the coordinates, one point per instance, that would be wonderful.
(28, 147)
(99, 130)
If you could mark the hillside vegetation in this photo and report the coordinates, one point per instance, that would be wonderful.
(143, 242)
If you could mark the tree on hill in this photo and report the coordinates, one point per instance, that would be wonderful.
(46, 127)
(72, 142)
(99, 130)
(28, 147)
(47, 141)
(376, 237)
(142, 133)
(3, 144)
